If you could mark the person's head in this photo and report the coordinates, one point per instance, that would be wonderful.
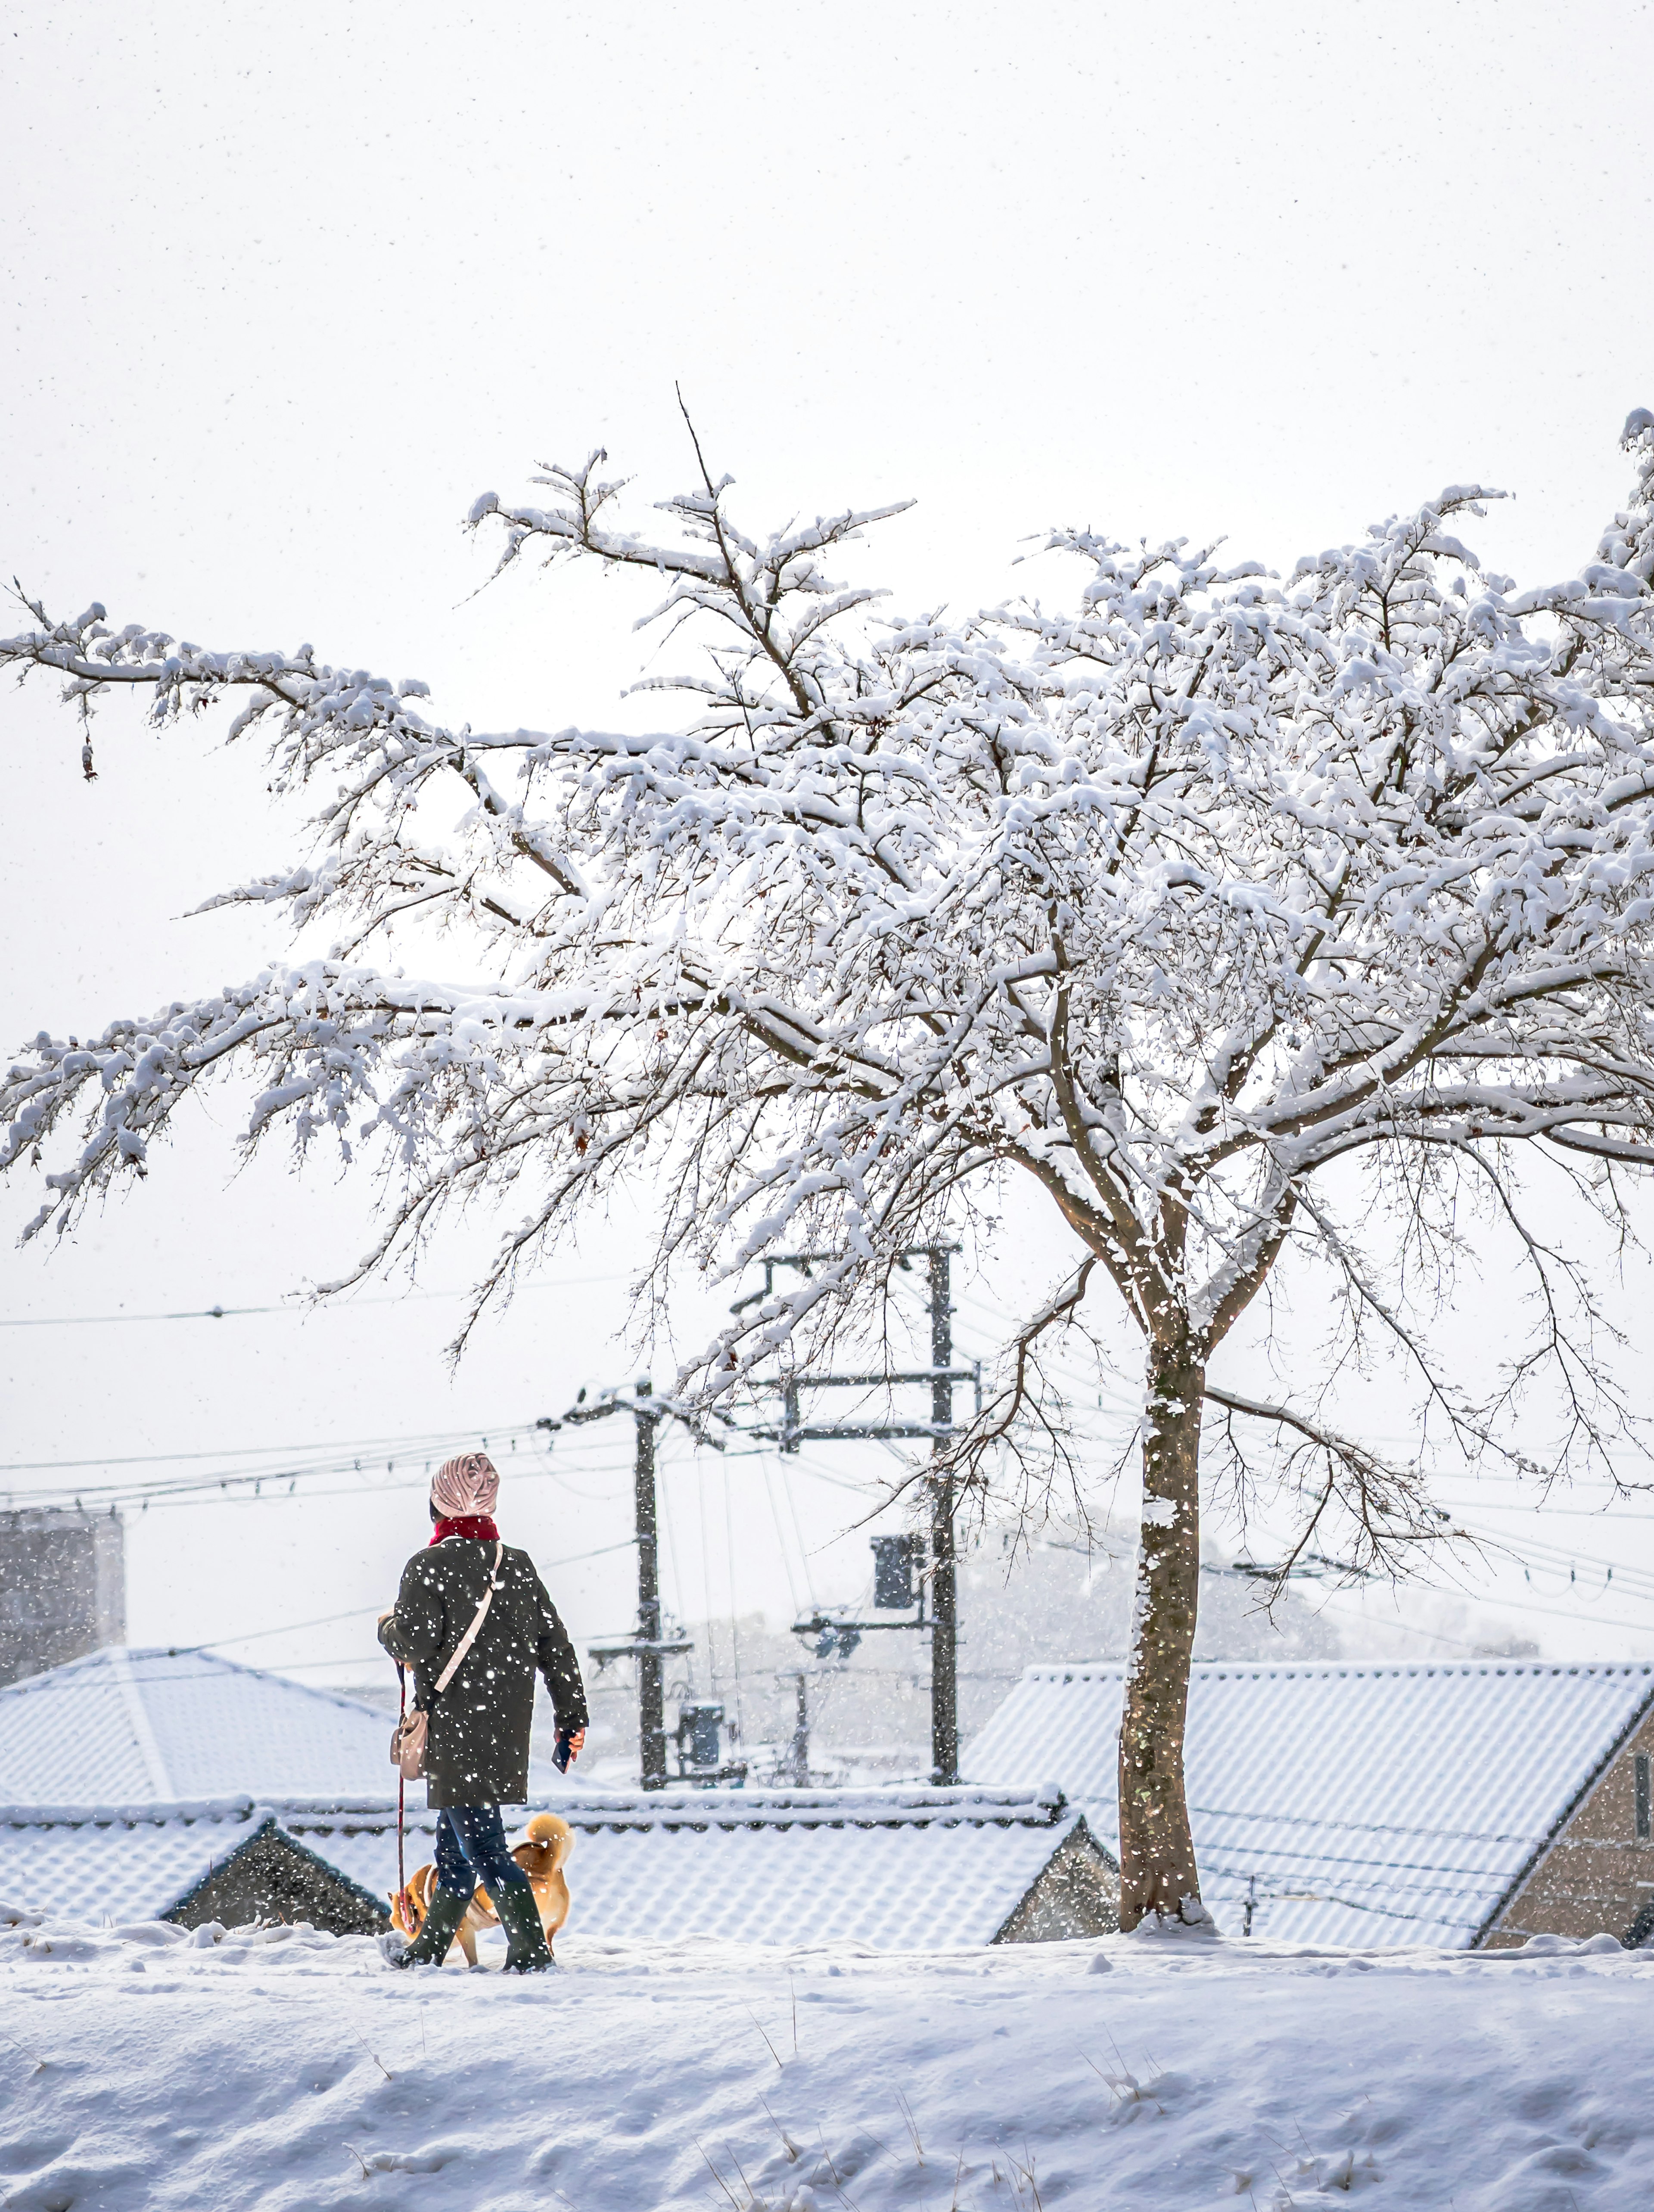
(466, 1485)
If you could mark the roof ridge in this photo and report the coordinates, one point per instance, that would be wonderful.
(83, 1659)
(983, 1805)
(1112, 1669)
(263, 1675)
(162, 1813)
(109, 1657)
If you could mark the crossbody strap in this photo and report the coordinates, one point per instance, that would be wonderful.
(470, 1635)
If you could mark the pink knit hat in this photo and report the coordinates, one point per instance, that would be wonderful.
(470, 1484)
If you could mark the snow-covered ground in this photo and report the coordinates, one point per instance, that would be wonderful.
(144, 2067)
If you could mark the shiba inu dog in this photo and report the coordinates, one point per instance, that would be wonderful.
(541, 1854)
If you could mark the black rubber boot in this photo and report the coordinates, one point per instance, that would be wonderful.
(528, 1952)
(430, 1947)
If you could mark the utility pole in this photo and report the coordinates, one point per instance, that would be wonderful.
(942, 1625)
(651, 1700)
(944, 1575)
(646, 1645)
(798, 1752)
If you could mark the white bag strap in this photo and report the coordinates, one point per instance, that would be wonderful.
(470, 1635)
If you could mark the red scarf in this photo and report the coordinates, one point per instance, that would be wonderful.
(477, 1526)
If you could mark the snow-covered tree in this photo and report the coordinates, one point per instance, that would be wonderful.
(1174, 901)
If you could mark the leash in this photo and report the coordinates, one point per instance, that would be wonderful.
(402, 1800)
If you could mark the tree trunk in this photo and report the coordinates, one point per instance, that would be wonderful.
(1157, 1873)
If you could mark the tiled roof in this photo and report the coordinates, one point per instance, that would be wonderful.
(1370, 1804)
(130, 1862)
(897, 1870)
(156, 1725)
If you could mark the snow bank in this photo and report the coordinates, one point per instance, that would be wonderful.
(148, 2066)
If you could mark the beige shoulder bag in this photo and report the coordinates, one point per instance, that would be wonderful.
(408, 1743)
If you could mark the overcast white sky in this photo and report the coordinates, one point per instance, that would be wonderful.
(286, 287)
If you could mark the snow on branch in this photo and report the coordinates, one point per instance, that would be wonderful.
(1172, 899)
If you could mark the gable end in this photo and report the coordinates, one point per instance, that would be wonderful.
(1075, 1893)
(271, 1876)
(1590, 1874)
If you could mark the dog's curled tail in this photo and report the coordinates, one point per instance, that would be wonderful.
(548, 1831)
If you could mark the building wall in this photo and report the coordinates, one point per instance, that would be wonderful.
(63, 1588)
(1596, 1873)
(109, 1564)
(1078, 1894)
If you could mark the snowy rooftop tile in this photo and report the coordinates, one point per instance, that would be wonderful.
(909, 1869)
(130, 1862)
(159, 1725)
(1370, 1804)
(896, 1870)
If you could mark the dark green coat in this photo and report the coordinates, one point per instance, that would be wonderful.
(476, 1752)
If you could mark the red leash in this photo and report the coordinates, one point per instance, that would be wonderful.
(401, 1799)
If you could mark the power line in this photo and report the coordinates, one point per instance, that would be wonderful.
(780, 1541)
(255, 1634)
(219, 1645)
(1361, 1827)
(246, 1451)
(1556, 1557)
(246, 1487)
(1310, 1857)
(313, 1303)
(220, 1494)
(1553, 1510)
(34, 1684)
(1352, 1903)
(1561, 1613)
(277, 1483)
(295, 1627)
(1411, 1628)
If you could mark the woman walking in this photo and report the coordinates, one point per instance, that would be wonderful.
(478, 1724)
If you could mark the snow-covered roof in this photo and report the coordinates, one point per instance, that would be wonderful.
(894, 1870)
(898, 1869)
(1370, 1804)
(122, 1862)
(158, 1725)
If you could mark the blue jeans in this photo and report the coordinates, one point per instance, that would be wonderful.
(471, 1847)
